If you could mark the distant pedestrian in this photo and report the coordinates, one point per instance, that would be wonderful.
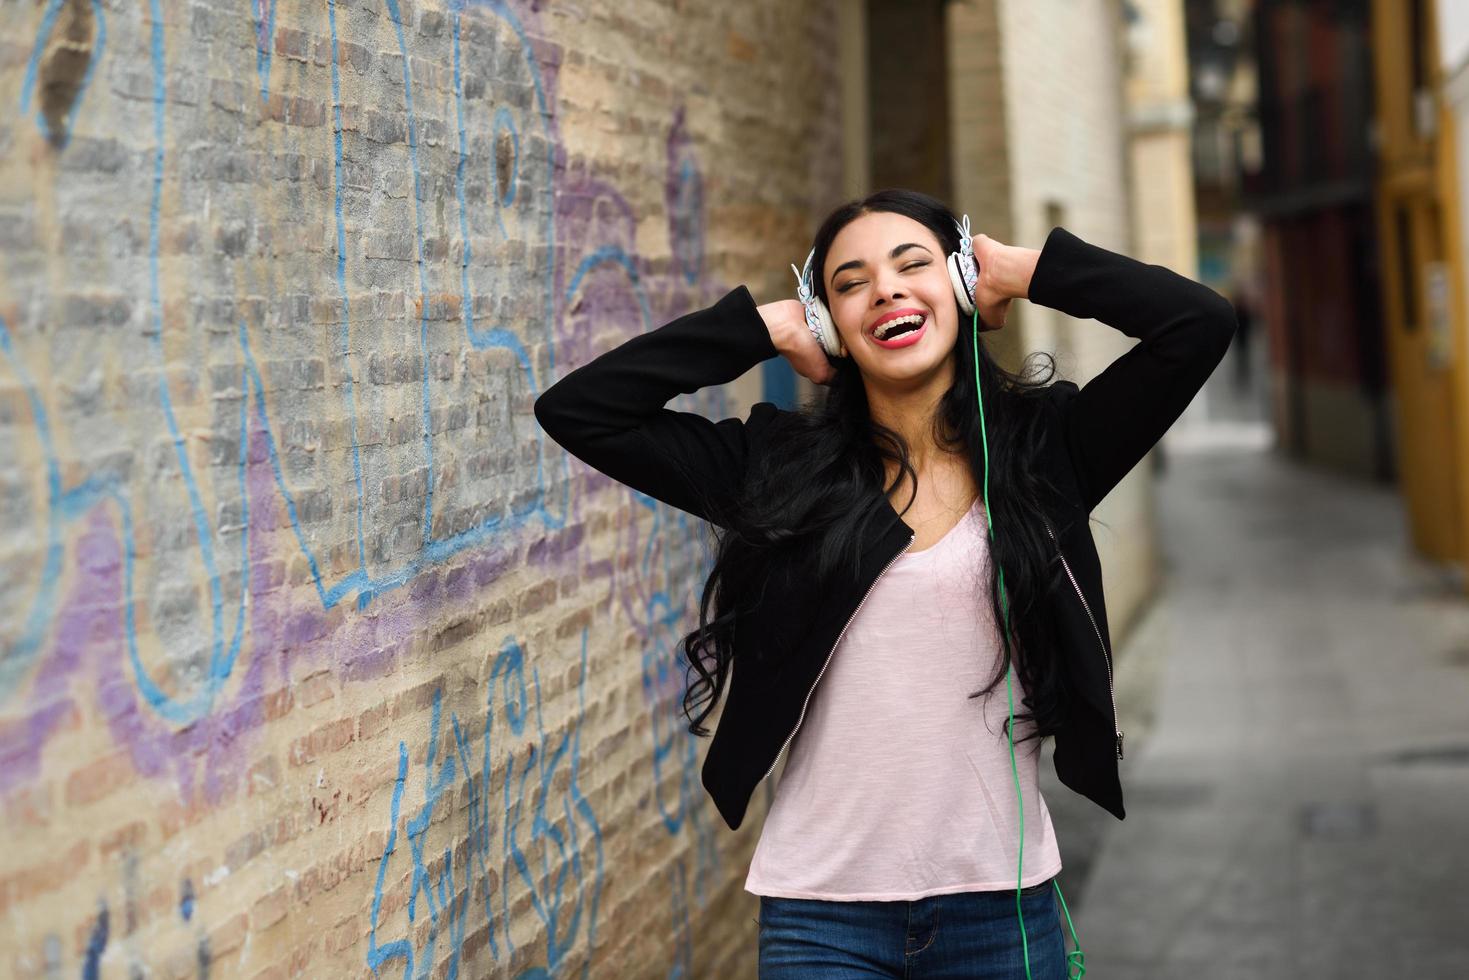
(1244, 309)
(875, 542)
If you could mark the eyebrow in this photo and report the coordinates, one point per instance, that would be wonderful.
(858, 263)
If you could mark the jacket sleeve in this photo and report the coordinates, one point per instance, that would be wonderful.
(1183, 327)
(610, 413)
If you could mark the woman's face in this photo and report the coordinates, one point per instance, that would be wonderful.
(882, 267)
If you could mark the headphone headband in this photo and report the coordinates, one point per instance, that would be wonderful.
(963, 276)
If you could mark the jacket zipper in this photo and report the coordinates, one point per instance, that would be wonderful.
(829, 654)
(1097, 630)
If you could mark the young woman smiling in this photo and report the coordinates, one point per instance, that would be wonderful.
(875, 542)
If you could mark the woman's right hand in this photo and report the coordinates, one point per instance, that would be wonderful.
(1005, 272)
(786, 321)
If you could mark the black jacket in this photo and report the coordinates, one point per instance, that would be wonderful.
(610, 414)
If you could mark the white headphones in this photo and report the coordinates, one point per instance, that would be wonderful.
(963, 274)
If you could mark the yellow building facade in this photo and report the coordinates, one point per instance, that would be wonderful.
(1420, 202)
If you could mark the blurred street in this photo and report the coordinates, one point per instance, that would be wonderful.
(1298, 771)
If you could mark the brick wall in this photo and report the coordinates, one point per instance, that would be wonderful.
(316, 657)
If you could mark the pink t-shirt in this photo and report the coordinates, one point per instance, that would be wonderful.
(898, 786)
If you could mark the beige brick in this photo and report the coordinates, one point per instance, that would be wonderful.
(98, 779)
(24, 885)
(228, 935)
(269, 909)
(315, 689)
(321, 741)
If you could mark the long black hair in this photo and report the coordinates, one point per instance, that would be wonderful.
(801, 513)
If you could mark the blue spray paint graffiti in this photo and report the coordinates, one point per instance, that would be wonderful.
(447, 906)
(96, 943)
(265, 42)
(181, 708)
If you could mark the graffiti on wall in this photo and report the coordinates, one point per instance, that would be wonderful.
(449, 906)
(327, 285)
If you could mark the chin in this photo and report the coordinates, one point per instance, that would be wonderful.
(893, 365)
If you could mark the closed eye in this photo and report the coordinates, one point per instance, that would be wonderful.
(853, 282)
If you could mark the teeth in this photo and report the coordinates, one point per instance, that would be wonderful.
(882, 332)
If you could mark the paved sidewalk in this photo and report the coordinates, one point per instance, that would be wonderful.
(1296, 705)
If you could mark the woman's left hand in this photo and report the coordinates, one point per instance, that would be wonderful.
(1004, 274)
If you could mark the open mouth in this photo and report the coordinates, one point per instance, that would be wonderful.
(900, 331)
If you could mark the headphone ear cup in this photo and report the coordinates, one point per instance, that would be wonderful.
(818, 318)
(962, 282)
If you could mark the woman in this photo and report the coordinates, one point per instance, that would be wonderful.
(874, 543)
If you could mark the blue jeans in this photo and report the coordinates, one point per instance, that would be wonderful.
(963, 935)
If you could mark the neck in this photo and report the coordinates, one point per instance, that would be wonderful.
(909, 408)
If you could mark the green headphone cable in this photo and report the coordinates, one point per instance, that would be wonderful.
(1076, 958)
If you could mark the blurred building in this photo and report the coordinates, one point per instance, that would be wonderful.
(1453, 55)
(1222, 89)
(1235, 408)
(1419, 51)
(1314, 197)
(1185, 211)
(1356, 184)
(1160, 120)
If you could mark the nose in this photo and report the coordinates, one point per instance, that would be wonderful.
(889, 288)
